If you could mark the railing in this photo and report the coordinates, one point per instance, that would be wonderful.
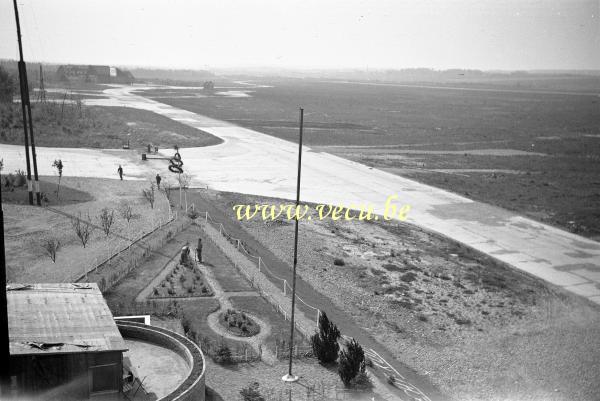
(260, 263)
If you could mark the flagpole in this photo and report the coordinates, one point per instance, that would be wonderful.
(291, 377)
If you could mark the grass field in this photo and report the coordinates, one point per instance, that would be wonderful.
(76, 125)
(553, 177)
(26, 228)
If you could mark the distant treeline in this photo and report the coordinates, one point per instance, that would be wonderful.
(405, 75)
(172, 75)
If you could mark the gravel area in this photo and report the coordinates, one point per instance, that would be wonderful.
(480, 331)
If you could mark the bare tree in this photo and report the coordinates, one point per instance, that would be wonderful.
(51, 246)
(83, 228)
(149, 194)
(184, 183)
(106, 218)
(126, 212)
(58, 165)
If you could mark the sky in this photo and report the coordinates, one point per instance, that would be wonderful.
(358, 34)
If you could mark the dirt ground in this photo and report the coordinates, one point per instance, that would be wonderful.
(27, 227)
(478, 330)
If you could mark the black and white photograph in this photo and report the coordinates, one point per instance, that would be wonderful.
(300, 200)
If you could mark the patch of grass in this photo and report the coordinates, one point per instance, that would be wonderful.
(77, 125)
(20, 195)
(223, 270)
(408, 277)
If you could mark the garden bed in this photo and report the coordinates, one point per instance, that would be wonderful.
(238, 323)
(185, 280)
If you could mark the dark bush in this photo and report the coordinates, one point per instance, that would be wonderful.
(339, 262)
(408, 277)
(325, 342)
(223, 353)
(352, 362)
(252, 393)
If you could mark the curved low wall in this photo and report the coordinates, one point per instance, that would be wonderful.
(192, 388)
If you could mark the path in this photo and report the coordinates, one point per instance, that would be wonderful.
(257, 341)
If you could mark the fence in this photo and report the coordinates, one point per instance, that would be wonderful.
(129, 258)
(261, 283)
(170, 309)
(316, 391)
(262, 268)
(222, 353)
(282, 351)
(128, 243)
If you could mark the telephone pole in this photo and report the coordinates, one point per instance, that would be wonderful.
(27, 120)
(4, 338)
(42, 94)
(291, 377)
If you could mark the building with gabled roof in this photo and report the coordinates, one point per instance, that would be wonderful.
(64, 342)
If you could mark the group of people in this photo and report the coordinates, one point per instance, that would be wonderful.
(158, 177)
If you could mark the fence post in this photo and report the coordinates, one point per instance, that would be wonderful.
(238, 244)
(206, 216)
(284, 290)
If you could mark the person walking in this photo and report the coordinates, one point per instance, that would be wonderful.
(120, 171)
(158, 180)
(199, 250)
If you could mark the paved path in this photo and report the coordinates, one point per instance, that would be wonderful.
(255, 163)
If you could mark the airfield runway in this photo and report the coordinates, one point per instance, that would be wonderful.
(255, 163)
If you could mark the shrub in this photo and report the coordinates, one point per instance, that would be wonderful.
(252, 393)
(20, 179)
(408, 277)
(339, 262)
(352, 362)
(325, 342)
(223, 353)
(186, 324)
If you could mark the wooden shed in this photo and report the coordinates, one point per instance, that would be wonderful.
(64, 343)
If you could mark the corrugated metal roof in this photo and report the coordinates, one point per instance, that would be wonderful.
(60, 318)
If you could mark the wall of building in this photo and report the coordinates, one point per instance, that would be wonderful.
(62, 376)
(193, 387)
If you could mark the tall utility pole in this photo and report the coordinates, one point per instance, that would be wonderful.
(26, 109)
(4, 339)
(42, 95)
(290, 377)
